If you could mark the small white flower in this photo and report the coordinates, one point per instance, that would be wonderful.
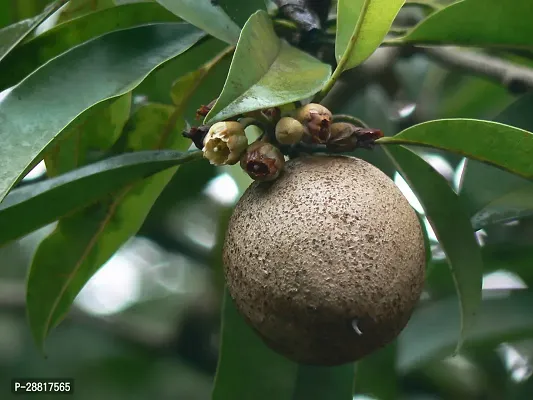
(225, 143)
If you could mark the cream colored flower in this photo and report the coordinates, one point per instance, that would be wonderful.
(225, 143)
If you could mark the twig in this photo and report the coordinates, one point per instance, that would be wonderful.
(516, 78)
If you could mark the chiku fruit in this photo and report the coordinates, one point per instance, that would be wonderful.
(327, 262)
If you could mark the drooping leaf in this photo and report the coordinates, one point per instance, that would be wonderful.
(36, 111)
(206, 15)
(482, 23)
(240, 11)
(451, 226)
(266, 72)
(514, 258)
(503, 146)
(82, 242)
(361, 27)
(432, 331)
(376, 376)
(33, 53)
(490, 194)
(513, 205)
(324, 382)
(247, 368)
(79, 8)
(12, 35)
(92, 132)
(31, 207)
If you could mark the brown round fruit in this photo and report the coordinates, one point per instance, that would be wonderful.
(327, 262)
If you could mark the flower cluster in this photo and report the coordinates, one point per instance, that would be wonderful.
(225, 143)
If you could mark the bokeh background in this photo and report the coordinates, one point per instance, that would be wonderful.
(147, 325)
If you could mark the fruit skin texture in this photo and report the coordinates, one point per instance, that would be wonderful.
(331, 240)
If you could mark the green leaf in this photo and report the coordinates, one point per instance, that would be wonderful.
(79, 8)
(514, 205)
(504, 146)
(37, 110)
(317, 383)
(94, 131)
(361, 27)
(481, 23)
(432, 331)
(266, 72)
(84, 241)
(12, 35)
(515, 258)
(31, 207)
(240, 11)
(376, 376)
(248, 369)
(452, 228)
(492, 195)
(176, 92)
(206, 15)
(31, 54)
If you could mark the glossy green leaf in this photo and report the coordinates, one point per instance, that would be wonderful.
(240, 11)
(477, 23)
(82, 242)
(452, 228)
(206, 15)
(504, 146)
(490, 194)
(432, 331)
(33, 53)
(36, 111)
(279, 73)
(78, 8)
(513, 205)
(156, 87)
(361, 27)
(88, 136)
(31, 207)
(12, 35)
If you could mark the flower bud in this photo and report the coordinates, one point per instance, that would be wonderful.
(274, 113)
(204, 109)
(224, 143)
(317, 120)
(262, 161)
(342, 137)
(289, 130)
(197, 134)
(348, 137)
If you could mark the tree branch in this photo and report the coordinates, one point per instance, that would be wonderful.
(516, 78)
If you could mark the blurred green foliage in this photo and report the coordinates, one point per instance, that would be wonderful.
(148, 324)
